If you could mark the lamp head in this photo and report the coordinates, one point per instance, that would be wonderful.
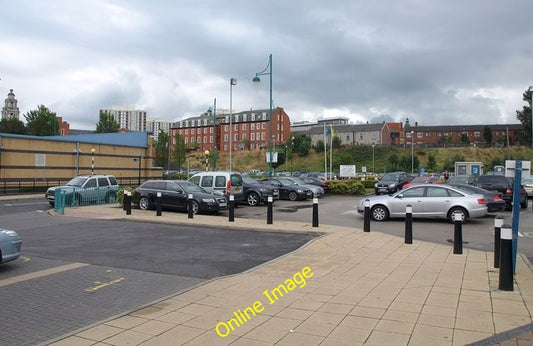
(256, 79)
(93, 150)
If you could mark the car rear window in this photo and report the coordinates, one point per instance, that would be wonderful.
(103, 182)
(207, 181)
(236, 180)
(220, 181)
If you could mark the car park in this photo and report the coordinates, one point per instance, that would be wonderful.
(392, 182)
(505, 185)
(528, 186)
(288, 189)
(86, 189)
(427, 201)
(229, 183)
(10, 245)
(256, 193)
(494, 200)
(317, 181)
(175, 195)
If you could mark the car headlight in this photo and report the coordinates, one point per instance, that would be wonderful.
(9, 233)
(392, 185)
(376, 185)
(208, 200)
(262, 190)
(300, 191)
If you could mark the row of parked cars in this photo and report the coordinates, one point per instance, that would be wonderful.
(433, 198)
(209, 190)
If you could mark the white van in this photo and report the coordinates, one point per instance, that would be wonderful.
(223, 181)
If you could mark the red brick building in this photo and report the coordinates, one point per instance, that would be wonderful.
(250, 130)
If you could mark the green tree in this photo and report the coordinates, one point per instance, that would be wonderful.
(336, 142)
(432, 162)
(12, 125)
(394, 162)
(487, 135)
(161, 149)
(41, 122)
(180, 150)
(465, 139)
(319, 147)
(107, 123)
(525, 115)
(302, 145)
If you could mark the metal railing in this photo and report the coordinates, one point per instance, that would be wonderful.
(77, 197)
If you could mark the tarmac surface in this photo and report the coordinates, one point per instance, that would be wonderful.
(346, 287)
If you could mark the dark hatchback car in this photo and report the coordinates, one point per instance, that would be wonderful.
(256, 193)
(505, 185)
(318, 182)
(392, 182)
(289, 190)
(493, 200)
(175, 195)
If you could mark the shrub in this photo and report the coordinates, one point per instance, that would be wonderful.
(351, 186)
(120, 194)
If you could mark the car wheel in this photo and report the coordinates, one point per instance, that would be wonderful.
(51, 203)
(457, 210)
(293, 196)
(379, 213)
(144, 203)
(253, 199)
(110, 197)
(195, 207)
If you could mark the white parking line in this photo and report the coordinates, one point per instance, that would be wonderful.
(41, 273)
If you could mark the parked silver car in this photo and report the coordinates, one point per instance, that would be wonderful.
(317, 190)
(427, 201)
(86, 189)
(10, 244)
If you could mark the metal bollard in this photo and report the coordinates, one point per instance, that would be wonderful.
(189, 206)
(498, 223)
(315, 212)
(124, 200)
(458, 219)
(506, 259)
(158, 204)
(366, 221)
(127, 202)
(269, 210)
(231, 208)
(408, 224)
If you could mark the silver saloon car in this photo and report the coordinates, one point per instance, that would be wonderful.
(427, 201)
(10, 244)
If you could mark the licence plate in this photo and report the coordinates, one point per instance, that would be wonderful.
(237, 189)
(223, 204)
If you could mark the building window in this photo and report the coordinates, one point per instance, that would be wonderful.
(225, 138)
(198, 139)
(205, 130)
(477, 134)
(252, 136)
(244, 136)
(210, 139)
(244, 127)
(192, 132)
(263, 126)
(263, 136)
(186, 131)
(236, 127)
(186, 140)
(235, 137)
(226, 128)
(420, 134)
(252, 126)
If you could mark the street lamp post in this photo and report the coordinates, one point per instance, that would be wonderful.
(214, 112)
(412, 152)
(373, 161)
(92, 160)
(292, 151)
(531, 93)
(232, 82)
(256, 79)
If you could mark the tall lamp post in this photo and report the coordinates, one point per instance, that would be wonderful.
(232, 82)
(92, 160)
(214, 112)
(256, 79)
(412, 152)
(531, 92)
(373, 161)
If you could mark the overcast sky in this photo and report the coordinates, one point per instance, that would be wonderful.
(434, 62)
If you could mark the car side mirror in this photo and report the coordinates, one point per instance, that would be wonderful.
(180, 192)
(400, 195)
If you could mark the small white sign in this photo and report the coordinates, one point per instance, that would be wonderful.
(274, 157)
(40, 160)
(347, 171)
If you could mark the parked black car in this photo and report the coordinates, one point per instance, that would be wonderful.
(175, 195)
(493, 200)
(318, 182)
(392, 182)
(505, 185)
(256, 193)
(288, 190)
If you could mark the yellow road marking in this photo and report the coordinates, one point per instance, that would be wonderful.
(103, 284)
(41, 273)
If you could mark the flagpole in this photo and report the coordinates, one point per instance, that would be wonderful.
(331, 151)
(325, 154)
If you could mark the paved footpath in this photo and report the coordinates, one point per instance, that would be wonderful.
(346, 287)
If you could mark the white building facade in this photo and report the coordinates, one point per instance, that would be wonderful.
(129, 119)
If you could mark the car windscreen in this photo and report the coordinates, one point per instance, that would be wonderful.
(78, 181)
(249, 180)
(191, 188)
(390, 176)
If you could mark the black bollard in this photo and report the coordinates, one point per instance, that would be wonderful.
(408, 224)
(189, 206)
(124, 200)
(458, 233)
(315, 212)
(127, 202)
(506, 259)
(498, 223)
(231, 208)
(366, 221)
(269, 210)
(158, 204)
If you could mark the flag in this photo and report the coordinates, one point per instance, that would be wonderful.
(327, 131)
(333, 133)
